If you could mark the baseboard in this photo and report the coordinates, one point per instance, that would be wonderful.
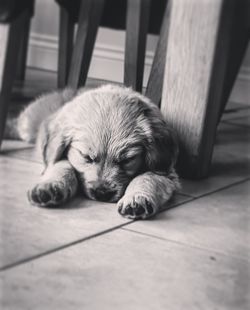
(107, 62)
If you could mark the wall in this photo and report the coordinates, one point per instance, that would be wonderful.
(107, 61)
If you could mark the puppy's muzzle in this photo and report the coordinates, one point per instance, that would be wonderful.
(102, 193)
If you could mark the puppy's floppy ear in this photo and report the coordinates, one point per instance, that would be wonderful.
(161, 147)
(52, 141)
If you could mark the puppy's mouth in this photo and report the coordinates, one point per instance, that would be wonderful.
(101, 194)
(104, 195)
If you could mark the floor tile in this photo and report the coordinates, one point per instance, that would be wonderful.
(225, 170)
(27, 230)
(219, 222)
(233, 140)
(236, 114)
(21, 150)
(41, 81)
(241, 91)
(9, 146)
(230, 163)
(241, 121)
(124, 270)
(176, 200)
(235, 110)
(234, 105)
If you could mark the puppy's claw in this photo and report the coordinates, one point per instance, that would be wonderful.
(136, 207)
(149, 208)
(57, 192)
(129, 210)
(44, 196)
(139, 210)
(120, 208)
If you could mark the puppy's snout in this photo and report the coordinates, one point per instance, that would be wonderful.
(103, 194)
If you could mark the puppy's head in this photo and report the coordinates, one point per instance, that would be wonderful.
(109, 138)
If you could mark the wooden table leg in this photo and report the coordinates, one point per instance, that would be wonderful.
(23, 51)
(89, 20)
(22, 58)
(66, 41)
(155, 81)
(10, 38)
(136, 35)
(197, 53)
(239, 39)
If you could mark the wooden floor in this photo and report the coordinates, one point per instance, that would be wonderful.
(193, 255)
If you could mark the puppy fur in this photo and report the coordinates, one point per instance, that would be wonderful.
(111, 143)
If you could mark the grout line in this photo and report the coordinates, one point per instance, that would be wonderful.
(185, 202)
(48, 252)
(6, 155)
(54, 72)
(184, 194)
(235, 109)
(50, 71)
(62, 247)
(238, 117)
(177, 204)
(230, 122)
(242, 106)
(220, 189)
(194, 246)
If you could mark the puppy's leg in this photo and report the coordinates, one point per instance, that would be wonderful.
(146, 194)
(57, 185)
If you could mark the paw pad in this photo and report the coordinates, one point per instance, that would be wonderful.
(137, 207)
(47, 194)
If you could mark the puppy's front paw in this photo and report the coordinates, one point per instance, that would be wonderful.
(49, 194)
(136, 207)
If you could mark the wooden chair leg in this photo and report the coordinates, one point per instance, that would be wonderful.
(89, 20)
(239, 39)
(22, 57)
(66, 39)
(136, 35)
(10, 37)
(155, 81)
(197, 53)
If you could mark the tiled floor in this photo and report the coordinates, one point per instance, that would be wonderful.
(193, 255)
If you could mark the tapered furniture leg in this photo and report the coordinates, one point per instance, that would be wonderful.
(197, 55)
(10, 38)
(66, 40)
(22, 58)
(89, 20)
(136, 34)
(155, 81)
(239, 39)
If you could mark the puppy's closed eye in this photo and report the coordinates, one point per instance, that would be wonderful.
(131, 164)
(90, 159)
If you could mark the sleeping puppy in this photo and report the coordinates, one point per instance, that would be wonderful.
(111, 143)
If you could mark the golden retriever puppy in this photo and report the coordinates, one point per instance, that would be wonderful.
(111, 143)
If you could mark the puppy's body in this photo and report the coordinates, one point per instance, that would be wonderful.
(110, 142)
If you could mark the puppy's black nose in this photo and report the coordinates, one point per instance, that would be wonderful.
(103, 194)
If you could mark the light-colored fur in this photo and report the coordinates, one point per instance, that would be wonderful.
(110, 143)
